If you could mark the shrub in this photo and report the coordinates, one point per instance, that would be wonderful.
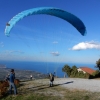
(3, 87)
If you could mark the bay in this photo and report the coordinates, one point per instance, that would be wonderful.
(43, 67)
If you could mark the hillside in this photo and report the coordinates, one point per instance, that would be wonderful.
(39, 90)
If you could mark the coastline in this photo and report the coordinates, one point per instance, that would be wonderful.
(2, 66)
(21, 74)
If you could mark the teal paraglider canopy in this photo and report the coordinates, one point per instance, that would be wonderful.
(72, 19)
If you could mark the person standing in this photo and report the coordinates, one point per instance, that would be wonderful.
(51, 76)
(11, 82)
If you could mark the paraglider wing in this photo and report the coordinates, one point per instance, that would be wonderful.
(72, 19)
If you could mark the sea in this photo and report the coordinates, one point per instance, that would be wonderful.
(43, 67)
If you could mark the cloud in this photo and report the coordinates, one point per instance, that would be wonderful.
(13, 51)
(86, 45)
(18, 51)
(11, 55)
(1, 44)
(55, 53)
(55, 42)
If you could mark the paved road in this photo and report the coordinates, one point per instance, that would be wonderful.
(92, 85)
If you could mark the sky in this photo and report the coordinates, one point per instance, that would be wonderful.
(48, 38)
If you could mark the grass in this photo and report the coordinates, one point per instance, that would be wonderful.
(40, 90)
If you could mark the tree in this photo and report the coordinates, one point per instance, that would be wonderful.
(74, 68)
(67, 69)
(74, 71)
(81, 74)
(96, 73)
(98, 64)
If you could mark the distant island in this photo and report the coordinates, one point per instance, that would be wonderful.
(2, 66)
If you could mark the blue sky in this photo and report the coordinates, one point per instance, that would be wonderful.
(48, 38)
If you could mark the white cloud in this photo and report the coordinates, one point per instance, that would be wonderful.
(86, 45)
(11, 55)
(13, 51)
(55, 53)
(55, 42)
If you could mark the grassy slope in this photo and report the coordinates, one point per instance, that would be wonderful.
(40, 90)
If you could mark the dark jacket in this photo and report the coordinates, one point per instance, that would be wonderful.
(12, 77)
(51, 77)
